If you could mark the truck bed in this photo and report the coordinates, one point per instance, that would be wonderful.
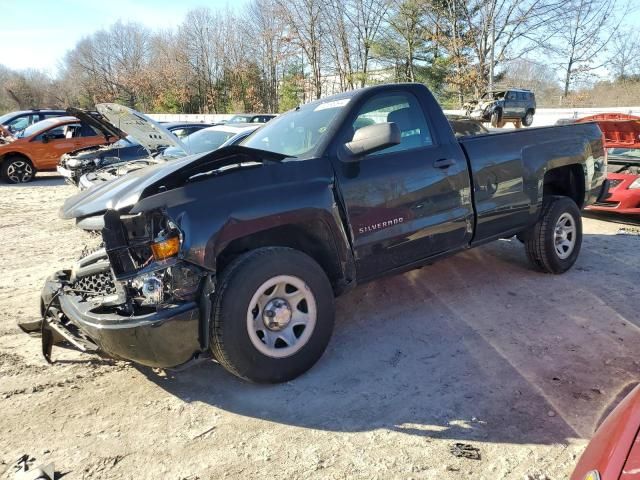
(506, 168)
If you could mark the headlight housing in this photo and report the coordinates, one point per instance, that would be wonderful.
(635, 184)
(176, 284)
(73, 163)
(592, 475)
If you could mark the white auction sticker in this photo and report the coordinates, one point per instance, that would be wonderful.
(334, 104)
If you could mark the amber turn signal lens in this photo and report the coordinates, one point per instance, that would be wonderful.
(165, 249)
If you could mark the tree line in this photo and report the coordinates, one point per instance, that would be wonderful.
(274, 54)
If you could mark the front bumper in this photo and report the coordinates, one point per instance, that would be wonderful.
(165, 338)
(480, 114)
(69, 175)
(620, 198)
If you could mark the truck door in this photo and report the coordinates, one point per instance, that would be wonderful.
(407, 202)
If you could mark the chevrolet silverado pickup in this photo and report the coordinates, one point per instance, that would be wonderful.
(240, 252)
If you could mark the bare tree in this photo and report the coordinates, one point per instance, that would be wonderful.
(581, 35)
(305, 19)
(270, 45)
(505, 29)
(624, 61)
(365, 18)
(340, 41)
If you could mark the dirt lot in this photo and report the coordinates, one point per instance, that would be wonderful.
(477, 349)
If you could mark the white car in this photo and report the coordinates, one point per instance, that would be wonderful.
(205, 140)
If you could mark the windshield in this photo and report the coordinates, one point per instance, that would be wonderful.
(298, 132)
(200, 142)
(6, 117)
(36, 127)
(492, 95)
(240, 119)
(125, 142)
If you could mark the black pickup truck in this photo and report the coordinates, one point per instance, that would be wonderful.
(240, 252)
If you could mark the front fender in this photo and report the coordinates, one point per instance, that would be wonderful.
(217, 210)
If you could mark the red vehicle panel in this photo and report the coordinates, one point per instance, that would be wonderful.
(614, 451)
(621, 134)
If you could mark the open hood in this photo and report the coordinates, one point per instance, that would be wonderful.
(150, 134)
(97, 121)
(124, 192)
(619, 129)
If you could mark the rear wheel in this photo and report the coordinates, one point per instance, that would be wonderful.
(527, 120)
(273, 315)
(554, 242)
(17, 169)
(496, 119)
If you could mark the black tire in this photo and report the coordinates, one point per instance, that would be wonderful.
(496, 119)
(231, 341)
(540, 240)
(17, 169)
(527, 120)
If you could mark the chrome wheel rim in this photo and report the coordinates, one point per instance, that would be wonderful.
(564, 237)
(19, 171)
(528, 118)
(281, 316)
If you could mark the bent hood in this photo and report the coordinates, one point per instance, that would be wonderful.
(124, 192)
(97, 121)
(149, 133)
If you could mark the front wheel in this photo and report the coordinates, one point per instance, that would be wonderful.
(17, 169)
(273, 315)
(496, 119)
(554, 242)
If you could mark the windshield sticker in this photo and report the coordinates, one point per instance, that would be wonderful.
(334, 104)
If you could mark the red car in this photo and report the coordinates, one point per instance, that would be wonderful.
(614, 451)
(622, 139)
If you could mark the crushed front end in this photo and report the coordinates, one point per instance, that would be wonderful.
(134, 299)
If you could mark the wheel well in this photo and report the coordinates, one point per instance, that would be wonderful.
(567, 181)
(312, 238)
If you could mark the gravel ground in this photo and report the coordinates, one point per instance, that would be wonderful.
(477, 349)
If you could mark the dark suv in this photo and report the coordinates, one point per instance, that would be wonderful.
(17, 121)
(501, 106)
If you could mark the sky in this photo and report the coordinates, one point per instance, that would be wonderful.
(38, 33)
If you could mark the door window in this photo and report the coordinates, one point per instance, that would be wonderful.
(181, 132)
(21, 123)
(63, 131)
(511, 96)
(402, 109)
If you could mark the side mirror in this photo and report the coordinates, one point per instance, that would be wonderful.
(370, 139)
(46, 137)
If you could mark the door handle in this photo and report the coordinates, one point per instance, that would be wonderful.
(444, 163)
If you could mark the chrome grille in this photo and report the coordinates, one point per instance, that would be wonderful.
(99, 284)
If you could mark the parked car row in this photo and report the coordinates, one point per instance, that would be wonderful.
(78, 142)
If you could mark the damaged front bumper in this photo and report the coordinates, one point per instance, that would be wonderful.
(165, 338)
(115, 302)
